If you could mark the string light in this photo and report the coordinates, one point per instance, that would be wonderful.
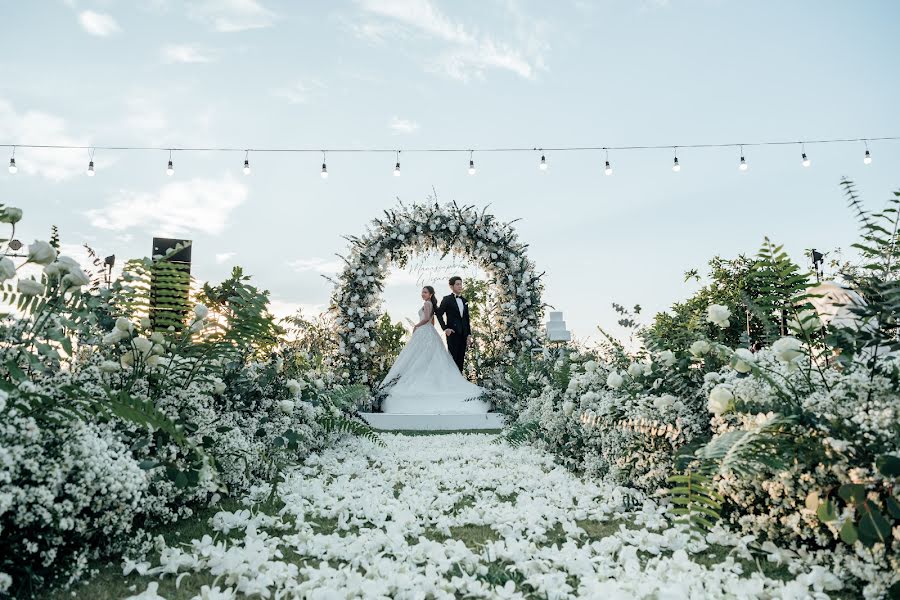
(804, 160)
(608, 168)
(743, 166)
(324, 171)
(397, 166)
(247, 163)
(12, 162)
(471, 164)
(170, 168)
(90, 169)
(675, 165)
(543, 164)
(867, 158)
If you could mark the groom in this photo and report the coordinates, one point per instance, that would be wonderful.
(457, 327)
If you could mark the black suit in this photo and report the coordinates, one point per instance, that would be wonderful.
(459, 323)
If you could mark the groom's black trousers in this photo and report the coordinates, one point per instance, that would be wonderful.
(456, 345)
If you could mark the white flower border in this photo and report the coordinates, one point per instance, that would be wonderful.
(447, 228)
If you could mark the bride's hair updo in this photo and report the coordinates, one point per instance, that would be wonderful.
(433, 299)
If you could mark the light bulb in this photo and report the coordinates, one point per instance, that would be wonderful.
(675, 165)
(324, 172)
(471, 167)
(543, 165)
(805, 160)
(12, 165)
(608, 169)
(90, 170)
(170, 169)
(866, 160)
(397, 169)
(743, 166)
(246, 166)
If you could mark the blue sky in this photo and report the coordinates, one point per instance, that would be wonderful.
(417, 73)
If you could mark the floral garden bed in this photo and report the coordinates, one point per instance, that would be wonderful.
(452, 516)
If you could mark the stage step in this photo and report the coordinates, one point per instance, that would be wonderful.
(423, 422)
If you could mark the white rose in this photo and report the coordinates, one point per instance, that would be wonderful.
(635, 369)
(7, 269)
(41, 253)
(294, 386)
(664, 402)
(157, 338)
(76, 278)
(806, 321)
(152, 361)
(30, 287)
(11, 215)
(720, 399)
(109, 366)
(614, 380)
(590, 366)
(123, 324)
(718, 315)
(146, 323)
(66, 264)
(218, 387)
(113, 337)
(787, 349)
(699, 348)
(667, 357)
(142, 345)
(743, 360)
(320, 384)
(128, 359)
(567, 407)
(286, 406)
(201, 312)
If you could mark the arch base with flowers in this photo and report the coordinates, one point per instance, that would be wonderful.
(491, 244)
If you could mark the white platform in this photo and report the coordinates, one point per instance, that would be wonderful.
(420, 422)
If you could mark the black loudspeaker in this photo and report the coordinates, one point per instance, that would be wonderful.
(163, 245)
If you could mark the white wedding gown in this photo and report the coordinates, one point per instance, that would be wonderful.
(427, 379)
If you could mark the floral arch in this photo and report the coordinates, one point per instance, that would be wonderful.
(448, 229)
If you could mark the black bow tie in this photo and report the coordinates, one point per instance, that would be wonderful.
(457, 296)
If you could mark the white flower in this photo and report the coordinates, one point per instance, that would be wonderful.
(295, 386)
(615, 380)
(109, 366)
(567, 407)
(142, 345)
(787, 349)
(157, 338)
(113, 337)
(218, 386)
(635, 369)
(320, 384)
(667, 357)
(201, 312)
(806, 321)
(664, 402)
(41, 253)
(699, 348)
(286, 406)
(720, 399)
(590, 366)
(12, 215)
(718, 315)
(123, 324)
(7, 269)
(29, 287)
(76, 278)
(743, 360)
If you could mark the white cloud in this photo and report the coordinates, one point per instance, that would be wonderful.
(300, 92)
(231, 15)
(399, 125)
(470, 53)
(98, 23)
(198, 205)
(36, 127)
(316, 264)
(184, 53)
(222, 257)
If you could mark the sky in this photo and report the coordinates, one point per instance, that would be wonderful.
(466, 74)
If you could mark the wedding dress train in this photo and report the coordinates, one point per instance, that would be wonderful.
(428, 381)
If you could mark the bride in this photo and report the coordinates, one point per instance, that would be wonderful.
(424, 378)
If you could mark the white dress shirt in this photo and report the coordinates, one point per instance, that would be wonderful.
(459, 303)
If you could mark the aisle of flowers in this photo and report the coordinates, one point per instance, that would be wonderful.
(398, 516)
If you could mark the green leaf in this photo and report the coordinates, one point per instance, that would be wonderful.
(888, 465)
(873, 527)
(848, 533)
(893, 507)
(826, 511)
(852, 492)
(181, 480)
